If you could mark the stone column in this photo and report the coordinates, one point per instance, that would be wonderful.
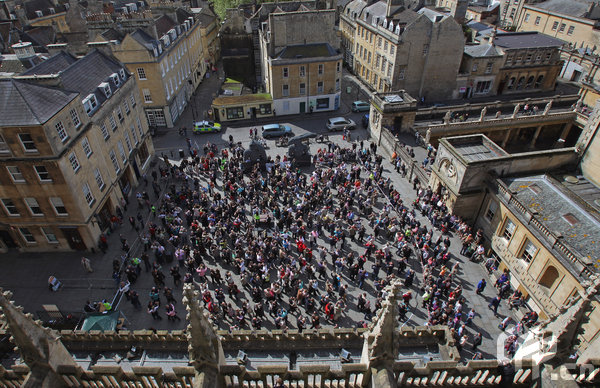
(564, 134)
(506, 137)
(535, 137)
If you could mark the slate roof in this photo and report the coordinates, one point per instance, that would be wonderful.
(83, 75)
(552, 205)
(308, 51)
(378, 9)
(31, 6)
(355, 7)
(11, 64)
(577, 8)
(23, 103)
(40, 36)
(112, 34)
(481, 50)
(519, 40)
(164, 24)
(53, 65)
(144, 39)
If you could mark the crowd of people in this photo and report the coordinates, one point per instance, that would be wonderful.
(279, 248)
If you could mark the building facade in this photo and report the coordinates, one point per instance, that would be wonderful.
(301, 71)
(64, 172)
(532, 61)
(394, 48)
(169, 69)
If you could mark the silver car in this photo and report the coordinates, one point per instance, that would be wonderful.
(340, 123)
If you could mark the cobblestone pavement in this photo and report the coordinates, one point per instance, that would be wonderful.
(27, 276)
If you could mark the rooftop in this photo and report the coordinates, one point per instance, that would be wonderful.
(312, 50)
(476, 147)
(243, 99)
(481, 50)
(560, 213)
(576, 8)
(518, 40)
(23, 103)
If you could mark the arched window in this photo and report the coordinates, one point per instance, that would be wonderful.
(511, 83)
(539, 81)
(529, 82)
(520, 83)
(549, 277)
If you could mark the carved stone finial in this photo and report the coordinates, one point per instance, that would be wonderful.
(381, 335)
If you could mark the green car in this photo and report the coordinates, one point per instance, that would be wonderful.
(206, 126)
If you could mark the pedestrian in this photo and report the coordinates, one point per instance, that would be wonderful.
(494, 304)
(134, 298)
(87, 264)
(153, 310)
(481, 286)
(477, 340)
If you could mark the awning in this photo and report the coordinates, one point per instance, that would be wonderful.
(101, 321)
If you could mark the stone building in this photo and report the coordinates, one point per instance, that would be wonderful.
(391, 47)
(302, 71)
(532, 61)
(478, 70)
(73, 144)
(169, 65)
(575, 22)
(380, 356)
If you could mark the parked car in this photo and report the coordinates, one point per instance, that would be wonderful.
(206, 126)
(360, 106)
(339, 123)
(276, 130)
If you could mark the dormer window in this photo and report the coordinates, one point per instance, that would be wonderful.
(173, 34)
(122, 74)
(52, 10)
(155, 51)
(39, 14)
(90, 103)
(115, 79)
(105, 87)
(166, 41)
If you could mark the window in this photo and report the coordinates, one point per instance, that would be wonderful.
(126, 106)
(27, 236)
(62, 133)
(550, 275)
(75, 118)
(369, 58)
(570, 30)
(338, 66)
(90, 103)
(15, 174)
(235, 112)
(50, 236)
(285, 92)
(562, 27)
(389, 70)
(385, 46)
(74, 162)
(286, 72)
(302, 89)
(115, 162)
(128, 142)
(483, 86)
(509, 229)
(139, 126)
(85, 144)
(87, 194)
(119, 113)
(554, 26)
(320, 68)
(379, 42)
(3, 146)
(322, 103)
(491, 210)
(34, 206)
(320, 87)
(302, 71)
(264, 109)
(113, 123)
(401, 74)
(527, 18)
(142, 73)
(132, 100)
(135, 137)
(9, 207)
(122, 152)
(529, 83)
(27, 142)
(425, 49)
(538, 82)
(391, 50)
(529, 251)
(474, 69)
(337, 84)
(99, 180)
(42, 173)
(489, 67)
(147, 96)
(104, 131)
(537, 20)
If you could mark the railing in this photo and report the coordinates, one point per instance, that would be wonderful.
(391, 145)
